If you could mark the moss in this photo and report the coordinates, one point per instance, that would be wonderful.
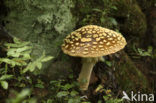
(146, 4)
(154, 35)
(129, 77)
(125, 15)
(95, 12)
(41, 22)
(45, 23)
(130, 17)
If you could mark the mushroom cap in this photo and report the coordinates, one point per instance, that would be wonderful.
(93, 41)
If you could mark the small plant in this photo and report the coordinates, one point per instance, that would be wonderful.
(108, 63)
(143, 53)
(18, 56)
(107, 97)
(100, 15)
(3, 81)
(104, 15)
(21, 97)
(66, 92)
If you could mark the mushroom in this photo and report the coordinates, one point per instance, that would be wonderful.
(91, 42)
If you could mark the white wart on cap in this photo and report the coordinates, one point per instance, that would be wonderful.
(93, 41)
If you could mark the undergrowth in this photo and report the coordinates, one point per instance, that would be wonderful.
(22, 82)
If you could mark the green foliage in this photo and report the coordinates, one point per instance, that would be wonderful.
(107, 97)
(146, 4)
(19, 56)
(133, 20)
(98, 14)
(144, 53)
(104, 16)
(18, 53)
(65, 92)
(3, 81)
(108, 63)
(39, 84)
(21, 97)
(4, 84)
(37, 63)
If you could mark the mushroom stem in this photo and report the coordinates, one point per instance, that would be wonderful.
(85, 74)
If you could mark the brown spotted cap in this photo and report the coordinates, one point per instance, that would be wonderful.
(93, 41)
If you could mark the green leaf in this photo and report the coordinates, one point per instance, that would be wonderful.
(98, 88)
(108, 63)
(16, 40)
(23, 48)
(76, 100)
(5, 77)
(24, 93)
(113, 21)
(30, 67)
(71, 76)
(16, 52)
(67, 86)
(20, 61)
(102, 19)
(71, 101)
(9, 61)
(26, 56)
(39, 65)
(22, 85)
(62, 94)
(150, 49)
(105, 98)
(20, 97)
(145, 53)
(97, 10)
(49, 101)
(12, 53)
(74, 93)
(16, 45)
(99, 101)
(114, 7)
(39, 85)
(4, 84)
(47, 58)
